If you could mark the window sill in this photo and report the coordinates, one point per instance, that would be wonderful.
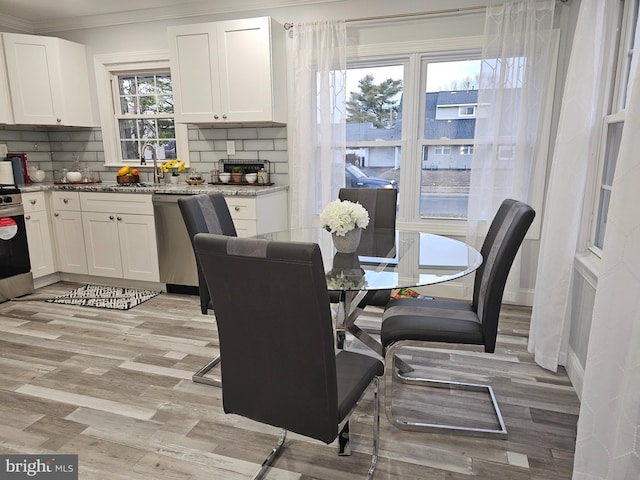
(587, 264)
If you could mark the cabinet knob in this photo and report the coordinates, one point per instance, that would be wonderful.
(224, 116)
(28, 217)
(110, 217)
(237, 209)
(56, 214)
(216, 117)
(59, 120)
(65, 200)
(32, 202)
(119, 219)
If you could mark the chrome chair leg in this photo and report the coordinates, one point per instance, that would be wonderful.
(376, 428)
(392, 373)
(271, 457)
(199, 376)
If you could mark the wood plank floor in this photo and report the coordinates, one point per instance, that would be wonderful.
(115, 388)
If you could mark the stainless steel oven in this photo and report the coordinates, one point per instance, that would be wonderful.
(15, 268)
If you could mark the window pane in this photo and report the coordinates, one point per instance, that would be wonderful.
(374, 114)
(614, 135)
(128, 105)
(372, 167)
(450, 102)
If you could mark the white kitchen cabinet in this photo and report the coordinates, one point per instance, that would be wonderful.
(229, 72)
(6, 110)
(48, 80)
(120, 235)
(68, 232)
(39, 236)
(261, 214)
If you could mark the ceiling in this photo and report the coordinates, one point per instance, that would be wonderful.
(41, 16)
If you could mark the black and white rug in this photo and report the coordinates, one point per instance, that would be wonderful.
(115, 298)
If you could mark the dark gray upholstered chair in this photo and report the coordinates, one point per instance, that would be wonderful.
(381, 203)
(409, 322)
(206, 213)
(276, 337)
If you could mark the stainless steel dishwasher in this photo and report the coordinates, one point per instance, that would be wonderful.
(175, 253)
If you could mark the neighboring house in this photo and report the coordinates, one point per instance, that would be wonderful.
(449, 115)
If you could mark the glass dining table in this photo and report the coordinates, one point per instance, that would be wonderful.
(385, 260)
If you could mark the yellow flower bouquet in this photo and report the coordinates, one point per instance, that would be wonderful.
(173, 166)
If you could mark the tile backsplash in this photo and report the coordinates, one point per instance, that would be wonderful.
(53, 149)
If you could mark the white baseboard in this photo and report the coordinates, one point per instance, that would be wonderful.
(575, 371)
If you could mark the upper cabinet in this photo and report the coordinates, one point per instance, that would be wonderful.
(6, 111)
(48, 80)
(229, 72)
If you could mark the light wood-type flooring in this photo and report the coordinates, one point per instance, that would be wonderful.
(115, 388)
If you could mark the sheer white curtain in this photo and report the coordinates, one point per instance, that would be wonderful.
(608, 440)
(318, 142)
(516, 60)
(574, 149)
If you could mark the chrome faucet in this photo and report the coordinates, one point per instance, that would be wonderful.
(156, 179)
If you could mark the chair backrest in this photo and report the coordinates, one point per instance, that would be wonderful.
(206, 213)
(378, 239)
(379, 202)
(505, 235)
(275, 330)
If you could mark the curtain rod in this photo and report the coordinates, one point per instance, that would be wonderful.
(290, 25)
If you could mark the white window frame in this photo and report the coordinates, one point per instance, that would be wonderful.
(110, 65)
(616, 89)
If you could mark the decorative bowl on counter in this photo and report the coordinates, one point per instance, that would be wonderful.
(128, 179)
(195, 181)
(251, 177)
(225, 177)
(74, 177)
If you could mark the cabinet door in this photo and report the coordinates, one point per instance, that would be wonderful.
(244, 54)
(139, 249)
(102, 244)
(6, 110)
(69, 240)
(34, 76)
(194, 73)
(48, 80)
(40, 244)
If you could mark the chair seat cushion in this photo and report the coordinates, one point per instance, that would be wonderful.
(355, 371)
(430, 320)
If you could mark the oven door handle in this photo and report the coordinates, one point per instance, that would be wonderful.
(11, 210)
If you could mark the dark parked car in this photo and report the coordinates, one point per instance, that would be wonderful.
(356, 178)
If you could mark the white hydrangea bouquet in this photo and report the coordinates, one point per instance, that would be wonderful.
(340, 217)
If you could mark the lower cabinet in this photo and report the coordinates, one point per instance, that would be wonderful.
(120, 235)
(68, 232)
(259, 214)
(39, 236)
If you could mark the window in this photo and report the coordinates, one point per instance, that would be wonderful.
(467, 111)
(613, 121)
(442, 150)
(137, 88)
(144, 103)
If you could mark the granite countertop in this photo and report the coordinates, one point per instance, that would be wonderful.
(182, 189)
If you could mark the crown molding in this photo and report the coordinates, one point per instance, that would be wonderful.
(15, 24)
(161, 13)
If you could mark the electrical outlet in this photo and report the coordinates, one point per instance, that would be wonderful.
(3, 150)
(231, 147)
